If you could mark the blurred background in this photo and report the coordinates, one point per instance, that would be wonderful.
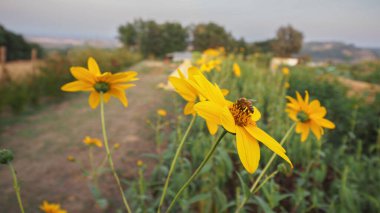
(331, 48)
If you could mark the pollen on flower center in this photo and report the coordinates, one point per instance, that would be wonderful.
(102, 87)
(242, 110)
(302, 116)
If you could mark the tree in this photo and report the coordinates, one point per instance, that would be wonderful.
(288, 41)
(211, 35)
(151, 38)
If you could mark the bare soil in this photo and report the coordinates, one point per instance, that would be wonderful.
(42, 141)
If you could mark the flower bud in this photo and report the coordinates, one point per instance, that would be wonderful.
(6, 156)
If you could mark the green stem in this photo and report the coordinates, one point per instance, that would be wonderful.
(264, 170)
(200, 167)
(16, 187)
(109, 156)
(174, 162)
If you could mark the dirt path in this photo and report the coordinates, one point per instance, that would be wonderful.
(41, 143)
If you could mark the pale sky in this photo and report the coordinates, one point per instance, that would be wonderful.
(351, 21)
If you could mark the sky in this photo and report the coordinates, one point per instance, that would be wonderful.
(350, 21)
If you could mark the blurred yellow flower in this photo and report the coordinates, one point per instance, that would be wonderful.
(285, 71)
(71, 158)
(286, 85)
(308, 116)
(237, 118)
(185, 88)
(236, 69)
(162, 112)
(140, 163)
(116, 146)
(92, 80)
(92, 141)
(51, 208)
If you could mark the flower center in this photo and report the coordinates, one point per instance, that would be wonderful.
(102, 87)
(242, 110)
(303, 116)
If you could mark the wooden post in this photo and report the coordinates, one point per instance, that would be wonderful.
(33, 59)
(3, 56)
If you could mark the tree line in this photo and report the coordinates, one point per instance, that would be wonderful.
(155, 39)
(17, 47)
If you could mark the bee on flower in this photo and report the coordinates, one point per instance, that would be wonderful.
(308, 116)
(239, 118)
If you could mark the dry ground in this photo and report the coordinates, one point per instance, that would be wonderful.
(17, 70)
(42, 141)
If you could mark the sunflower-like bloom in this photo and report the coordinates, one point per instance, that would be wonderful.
(237, 118)
(236, 69)
(92, 80)
(51, 208)
(308, 116)
(92, 141)
(184, 87)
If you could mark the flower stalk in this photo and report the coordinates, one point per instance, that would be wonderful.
(174, 162)
(109, 156)
(16, 187)
(254, 188)
(200, 167)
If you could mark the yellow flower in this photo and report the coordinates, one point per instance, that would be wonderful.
(116, 146)
(285, 71)
(93, 81)
(286, 85)
(51, 208)
(162, 112)
(236, 69)
(237, 118)
(308, 116)
(184, 87)
(140, 163)
(71, 158)
(92, 141)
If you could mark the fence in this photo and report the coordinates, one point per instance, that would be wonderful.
(15, 69)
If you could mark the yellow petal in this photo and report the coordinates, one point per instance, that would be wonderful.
(123, 77)
(268, 141)
(316, 130)
(228, 120)
(325, 123)
(212, 127)
(94, 99)
(122, 86)
(119, 94)
(210, 111)
(77, 86)
(305, 130)
(256, 114)
(93, 66)
(184, 89)
(248, 150)
(83, 74)
(189, 108)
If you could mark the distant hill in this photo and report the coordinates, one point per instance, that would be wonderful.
(64, 43)
(338, 52)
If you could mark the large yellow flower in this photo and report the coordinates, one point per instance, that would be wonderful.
(184, 87)
(237, 118)
(92, 80)
(309, 116)
(51, 208)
